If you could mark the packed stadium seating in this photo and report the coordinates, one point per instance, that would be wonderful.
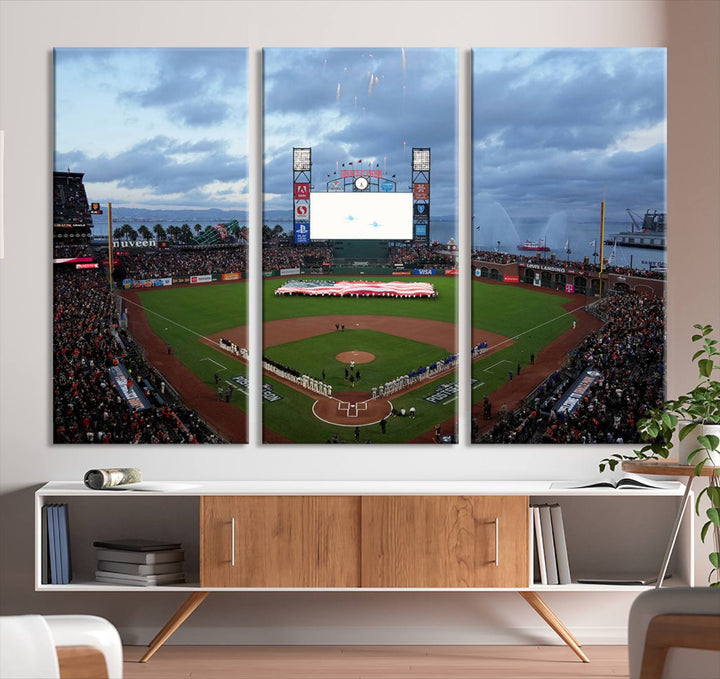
(86, 342)
(627, 352)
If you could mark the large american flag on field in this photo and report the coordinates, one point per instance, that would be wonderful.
(355, 288)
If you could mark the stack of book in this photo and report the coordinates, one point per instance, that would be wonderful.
(143, 563)
(56, 565)
(552, 565)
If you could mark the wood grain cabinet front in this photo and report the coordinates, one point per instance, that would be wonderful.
(288, 541)
(445, 541)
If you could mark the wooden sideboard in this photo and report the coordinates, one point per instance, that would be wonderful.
(355, 536)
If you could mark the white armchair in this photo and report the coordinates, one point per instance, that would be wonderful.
(674, 633)
(59, 647)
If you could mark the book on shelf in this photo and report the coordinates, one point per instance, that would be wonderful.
(141, 580)
(550, 552)
(623, 482)
(53, 545)
(55, 556)
(137, 545)
(45, 552)
(623, 579)
(549, 545)
(129, 556)
(140, 568)
(561, 551)
(64, 539)
(539, 547)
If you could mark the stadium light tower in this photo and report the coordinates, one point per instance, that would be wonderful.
(302, 165)
(421, 194)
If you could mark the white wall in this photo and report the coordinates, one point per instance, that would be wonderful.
(29, 31)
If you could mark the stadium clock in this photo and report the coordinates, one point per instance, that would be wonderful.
(361, 183)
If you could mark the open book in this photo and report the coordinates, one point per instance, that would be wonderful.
(620, 482)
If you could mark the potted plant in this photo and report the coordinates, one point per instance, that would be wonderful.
(695, 416)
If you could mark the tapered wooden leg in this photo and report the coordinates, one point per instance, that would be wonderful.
(181, 615)
(546, 613)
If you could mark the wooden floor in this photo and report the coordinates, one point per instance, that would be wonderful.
(375, 662)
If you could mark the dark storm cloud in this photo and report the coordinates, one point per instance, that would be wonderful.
(553, 129)
(160, 164)
(193, 85)
(326, 98)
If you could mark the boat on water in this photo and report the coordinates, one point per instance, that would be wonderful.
(646, 232)
(534, 246)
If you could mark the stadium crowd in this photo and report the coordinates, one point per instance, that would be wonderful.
(70, 204)
(183, 261)
(88, 408)
(422, 256)
(583, 267)
(627, 352)
(63, 250)
(282, 254)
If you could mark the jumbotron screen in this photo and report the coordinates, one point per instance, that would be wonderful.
(341, 216)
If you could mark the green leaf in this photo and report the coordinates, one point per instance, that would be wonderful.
(697, 354)
(713, 493)
(715, 559)
(713, 441)
(714, 516)
(659, 450)
(705, 366)
(691, 457)
(695, 338)
(708, 441)
(699, 467)
(704, 530)
(687, 429)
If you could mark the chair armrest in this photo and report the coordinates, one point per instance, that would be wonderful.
(677, 631)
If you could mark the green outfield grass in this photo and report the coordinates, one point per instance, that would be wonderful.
(304, 427)
(442, 308)
(179, 316)
(536, 318)
(394, 356)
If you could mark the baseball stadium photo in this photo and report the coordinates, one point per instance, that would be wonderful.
(150, 246)
(568, 289)
(360, 268)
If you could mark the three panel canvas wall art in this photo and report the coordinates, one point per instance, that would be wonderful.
(359, 245)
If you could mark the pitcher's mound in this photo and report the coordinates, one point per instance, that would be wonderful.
(357, 356)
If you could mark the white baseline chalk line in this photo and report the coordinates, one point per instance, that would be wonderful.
(169, 320)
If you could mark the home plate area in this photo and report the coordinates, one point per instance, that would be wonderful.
(351, 409)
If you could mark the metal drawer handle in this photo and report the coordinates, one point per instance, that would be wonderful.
(497, 542)
(232, 542)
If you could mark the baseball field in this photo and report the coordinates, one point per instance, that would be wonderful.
(384, 338)
(531, 320)
(183, 318)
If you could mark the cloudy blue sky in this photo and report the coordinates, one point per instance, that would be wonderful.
(154, 128)
(554, 129)
(372, 105)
